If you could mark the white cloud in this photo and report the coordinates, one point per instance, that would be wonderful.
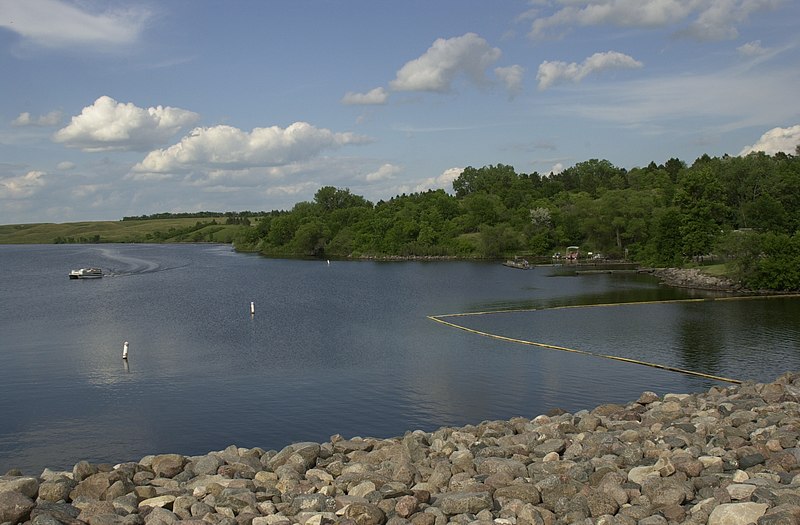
(443, 181)
(556, 169)
(110, 125)
(776, 140)
(376, 96)
(387, 171)
(551, 73)
(708, 19)
(26, 119)
(65, 165)
(21, 186)
(752, 49)
(511, 77)
(229, 148)
(718, 19)
(445, 60)
(55, 23)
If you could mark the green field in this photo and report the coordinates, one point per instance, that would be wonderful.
(184, 229)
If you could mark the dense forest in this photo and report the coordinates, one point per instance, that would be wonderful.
(744, 210)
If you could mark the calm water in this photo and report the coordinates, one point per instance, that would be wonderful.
(345, 348)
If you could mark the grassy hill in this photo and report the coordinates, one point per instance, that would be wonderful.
(184, 229)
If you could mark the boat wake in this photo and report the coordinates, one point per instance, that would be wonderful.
(125, 265)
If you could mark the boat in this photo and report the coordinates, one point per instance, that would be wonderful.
(86, 273)
(520, 264)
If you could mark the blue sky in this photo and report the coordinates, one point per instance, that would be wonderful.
(115, 108)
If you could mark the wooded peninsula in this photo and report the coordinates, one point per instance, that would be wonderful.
(744, 211)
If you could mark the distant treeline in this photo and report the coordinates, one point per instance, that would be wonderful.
(745, 210)
(233, 217)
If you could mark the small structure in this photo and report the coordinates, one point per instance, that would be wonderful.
(573, 252)
(519, 264)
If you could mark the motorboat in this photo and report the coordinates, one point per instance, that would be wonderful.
(86, 273)
(520, 264)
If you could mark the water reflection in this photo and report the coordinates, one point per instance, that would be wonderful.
(700, 337)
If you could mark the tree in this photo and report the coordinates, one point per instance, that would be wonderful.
(700, 198)
(329, 199)
(496, 180)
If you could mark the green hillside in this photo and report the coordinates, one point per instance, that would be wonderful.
(184, 229)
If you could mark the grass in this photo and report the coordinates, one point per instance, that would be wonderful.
(154, 230)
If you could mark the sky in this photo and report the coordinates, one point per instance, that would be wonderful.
(112, 108)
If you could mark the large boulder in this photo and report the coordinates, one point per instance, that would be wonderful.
(15, 507)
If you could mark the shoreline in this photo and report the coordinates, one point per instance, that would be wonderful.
(725, 456)
(696, 279)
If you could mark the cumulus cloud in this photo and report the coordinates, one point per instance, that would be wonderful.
(555, 72)
(21, 186)
(227, 147)
(376, 96)
(752, 49)
(57, 24)
(511, 77)
(776, 140)
(50, 119)
(707, 19)
(442, 182)
(444, 61)
(385, 172)
(110, 125)
(556, 169)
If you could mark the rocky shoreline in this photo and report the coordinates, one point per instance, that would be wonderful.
(727, 456)
(696, 279)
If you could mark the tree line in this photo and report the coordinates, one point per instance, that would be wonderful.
(743, 209)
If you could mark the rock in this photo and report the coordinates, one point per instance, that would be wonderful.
(638, 475)
(56, 490)
(207, 464)
(23, 484)
(15, 507)
(93, 486)
(364, 514)
(739, 491)
(168, 465)
(158, 501)
(601, 503)
(452, 503)
(525, 492)
(737, 513)
(406, 506)
(664, 492)
(82, 470)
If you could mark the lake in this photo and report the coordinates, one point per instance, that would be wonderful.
(345, 347)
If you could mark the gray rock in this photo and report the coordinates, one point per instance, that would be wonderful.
(207, 464)
(452, 503)
(15, 507)
(56, 490)
(663, 492)
(512, 467)
(525, 492)
(737, 513)
(168, 465)
(82, 470)
(364, 514)
(23, 484)
(601, 503)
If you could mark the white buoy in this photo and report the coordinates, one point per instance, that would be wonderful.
(252, 308)
(329, 262)
(125, 350)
